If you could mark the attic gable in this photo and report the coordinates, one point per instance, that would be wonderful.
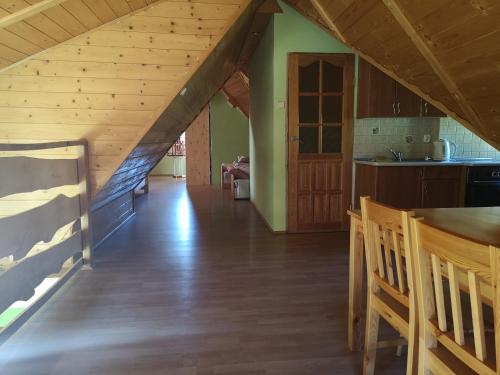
(442, 50)
(110, 85)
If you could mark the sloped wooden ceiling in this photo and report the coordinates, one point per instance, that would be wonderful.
(30, 26)
(444, 50)
(118, 85)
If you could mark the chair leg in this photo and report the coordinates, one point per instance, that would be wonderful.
(371, 338)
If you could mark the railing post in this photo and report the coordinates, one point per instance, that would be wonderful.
(85, 189)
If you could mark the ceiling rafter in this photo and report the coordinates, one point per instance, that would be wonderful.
(424, 49)
(329, 22)
(27, 12)
(319, 7)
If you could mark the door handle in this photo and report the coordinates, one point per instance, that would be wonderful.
(294, 138)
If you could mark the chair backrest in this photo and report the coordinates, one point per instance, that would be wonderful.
(386, 232)
(440, 255)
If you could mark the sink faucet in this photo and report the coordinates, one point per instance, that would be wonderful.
(398, 155)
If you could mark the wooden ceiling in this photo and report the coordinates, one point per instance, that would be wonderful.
(444, 50)
(31, 26)
(109, 85)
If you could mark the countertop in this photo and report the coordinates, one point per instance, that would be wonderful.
(422, 163)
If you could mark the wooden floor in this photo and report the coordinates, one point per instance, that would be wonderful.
(196, 284)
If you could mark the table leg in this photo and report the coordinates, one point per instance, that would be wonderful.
(355, 285)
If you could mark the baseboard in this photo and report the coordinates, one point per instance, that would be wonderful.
(266, 223)
(14, 326)
(100, 242)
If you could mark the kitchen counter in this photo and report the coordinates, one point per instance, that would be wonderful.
(429, 163)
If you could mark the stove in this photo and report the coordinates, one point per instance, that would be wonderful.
(483, 186)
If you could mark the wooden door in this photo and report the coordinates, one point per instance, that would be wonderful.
(320, 111)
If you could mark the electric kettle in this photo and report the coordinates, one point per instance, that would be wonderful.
(442, 150)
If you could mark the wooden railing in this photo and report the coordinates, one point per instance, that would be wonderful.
(44, 221)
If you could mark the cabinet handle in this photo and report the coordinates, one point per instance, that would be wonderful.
(425, 107)
(394, 108)
(399, 108)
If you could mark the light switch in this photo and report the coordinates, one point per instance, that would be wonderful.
(427, 138)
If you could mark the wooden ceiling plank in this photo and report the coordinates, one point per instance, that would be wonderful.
(79, 100)
(124, 55)
(82, 12)
(119, 7)
(170, 9)
(27, 12)
(111, 38)
(22, 45)
(11, 54)
(329, 22)
(91, 69)
(167, 25)
(87, 85)
(101, 9)
(435, 64)
(136, 4)
(66, 20)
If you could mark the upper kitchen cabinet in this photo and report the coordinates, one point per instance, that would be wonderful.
(428, 110)
(381, 96)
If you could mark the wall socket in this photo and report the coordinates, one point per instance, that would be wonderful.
(427, 138)
(409, 139)
(375, 130)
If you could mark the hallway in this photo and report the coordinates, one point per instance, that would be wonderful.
(196, 284)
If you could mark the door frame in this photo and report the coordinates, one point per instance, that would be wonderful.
(348, 61)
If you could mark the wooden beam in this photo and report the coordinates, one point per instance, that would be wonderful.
(328, 20)
(27, 12)
(424, 49)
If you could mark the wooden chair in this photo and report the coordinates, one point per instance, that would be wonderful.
(444, 349)
(390, 292)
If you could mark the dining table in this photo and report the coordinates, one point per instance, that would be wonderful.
(479, 224)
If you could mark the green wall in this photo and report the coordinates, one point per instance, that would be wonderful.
(261, 126)
(228, 134)
(289, 32)
(166, 166)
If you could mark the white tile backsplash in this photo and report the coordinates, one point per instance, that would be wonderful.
(468, 144)
(394, 131)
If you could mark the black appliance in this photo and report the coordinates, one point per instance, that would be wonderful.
(483, 186)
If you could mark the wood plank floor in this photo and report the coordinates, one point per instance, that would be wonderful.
(196, 284)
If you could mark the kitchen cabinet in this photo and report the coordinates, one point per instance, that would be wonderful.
(428, 110)
(409, 187)
(381, 96)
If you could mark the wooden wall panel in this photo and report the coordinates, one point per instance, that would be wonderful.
(108, 218)
(198, 150)
(210, 76)
(110, 84)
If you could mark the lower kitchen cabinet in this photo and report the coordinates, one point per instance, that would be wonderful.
(410, 187)
(441, 193)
